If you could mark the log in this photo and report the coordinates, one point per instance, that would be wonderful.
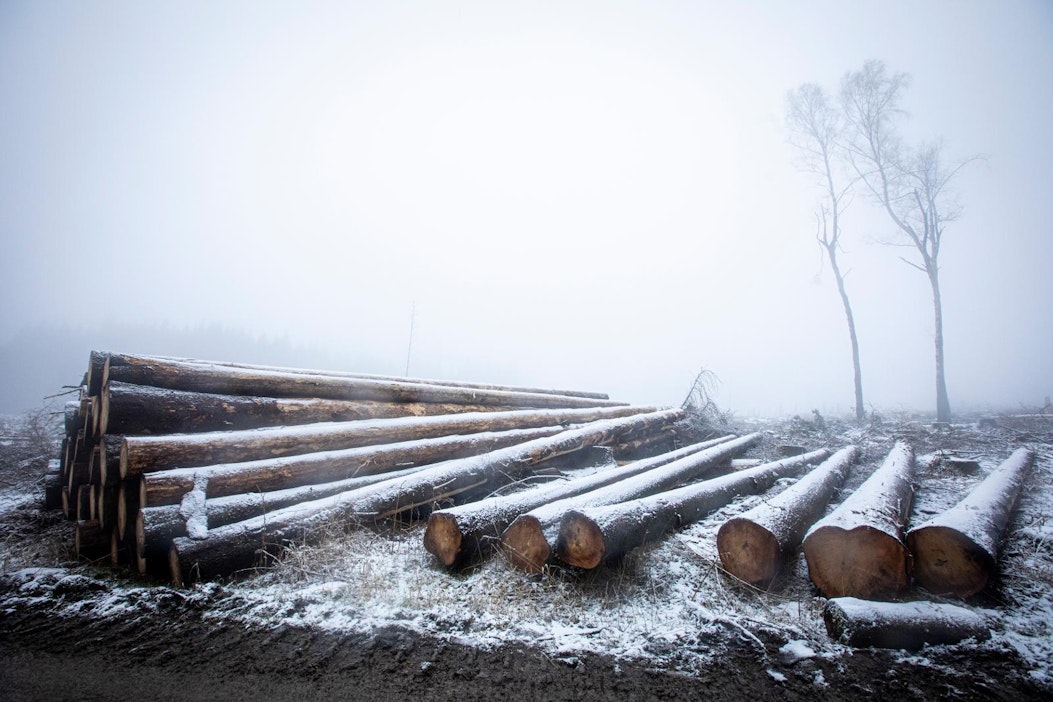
(90, 540)
(646, 447)
(96, 370)
(140, 409)
(84, 510)
(128, 501)
(196, 377)
(141, 454)
(235, 546)
(348, 374)
(529, 541)
(156, 527)
(110, 459)
(857, 550)
(71, 417)
(460, 536)
(594, 535)
(107, 497)
(956, 552)
(906, 625)
(754, 545)
(169, 487)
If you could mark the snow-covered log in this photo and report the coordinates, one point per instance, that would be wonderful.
(211, 378)
(956, 552)
(754, 545)
(235, 546)
(140, 409)
(595, 535)
(906, 625)
(130, 359)
(460, 535)
(858, 550)
(169, 486)
(142, 454)
(529, 541)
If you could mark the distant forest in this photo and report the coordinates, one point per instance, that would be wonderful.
(40, 361)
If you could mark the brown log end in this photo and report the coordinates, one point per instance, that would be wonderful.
(580, 541)
(748, 551)
(947, 562)
(525, 545)
(863, 562)
(442, 537)
(175, 568)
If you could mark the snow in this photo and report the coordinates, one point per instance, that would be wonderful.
(796, 650)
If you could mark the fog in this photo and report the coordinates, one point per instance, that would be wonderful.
(589, 195)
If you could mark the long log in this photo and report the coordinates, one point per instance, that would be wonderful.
(529, 541)
(195, 377)
(596, 535)
(857, 550)
(142, 454)
(141, 409)
(754, 546)
(169, 486)
(906, 625)
(156, 527)
(235, 546)
(461, 535)
(956, 552)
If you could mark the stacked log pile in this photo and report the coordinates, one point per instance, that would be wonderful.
(159, 449)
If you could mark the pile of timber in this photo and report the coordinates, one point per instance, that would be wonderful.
(169, 463)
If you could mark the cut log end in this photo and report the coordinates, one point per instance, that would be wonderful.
(862, 562)
(525, 544)
(947, 562)
(175, 568)
(442, 538)
(580, 542)
(748, 551)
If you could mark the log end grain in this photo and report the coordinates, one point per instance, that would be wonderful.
(862, 562)
(443, 537)
(580, 541)
(947, 562)
(525, 545)
(748, 551)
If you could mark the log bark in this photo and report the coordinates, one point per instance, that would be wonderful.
(84, 510)
(858, 550)
(596, 535)
(90, 540)
(755, 545)
(195, 377)
(646, 447)
(71, 417)
(906, 625)
(140, 409)
(110, 459)
(129, 359)
(235, 546)
(529, 541)
(142, 454)
(956, 552)
(156, 527)
(169, 486)
(96, 370)
(128, 501)
(460, 536)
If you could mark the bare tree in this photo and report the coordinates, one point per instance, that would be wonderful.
(912, 185)
(815, 130)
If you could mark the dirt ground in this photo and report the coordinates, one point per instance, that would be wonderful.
(66, 635)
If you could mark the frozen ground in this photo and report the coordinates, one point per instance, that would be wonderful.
(665, 619)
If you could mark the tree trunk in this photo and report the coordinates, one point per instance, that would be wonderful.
(139, 409)
(754, 545)
(169, 486)
(129, 359)
(194, 377)
(857, 372)
(529, 541)
(141, 454)
(235, 546)
(956, 552)
(595, 535)
(906, 625)
(156, 527)
(943, 403)
(857, 550)
(459, 536)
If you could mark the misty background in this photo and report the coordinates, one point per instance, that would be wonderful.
(587, 195)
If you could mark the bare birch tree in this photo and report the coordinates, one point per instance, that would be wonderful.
(912, 185)
(816, 130)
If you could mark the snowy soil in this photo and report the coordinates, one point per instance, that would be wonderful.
(666, 620)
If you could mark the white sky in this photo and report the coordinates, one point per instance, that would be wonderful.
(594, 195)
